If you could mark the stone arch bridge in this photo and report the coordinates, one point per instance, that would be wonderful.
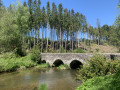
(73, 59)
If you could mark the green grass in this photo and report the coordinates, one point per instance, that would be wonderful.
(43, 87)
(63, 67)
(45, 65)
(9, 62)
(109, 82)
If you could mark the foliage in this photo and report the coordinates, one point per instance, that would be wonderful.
(10, 35)
(45, 65)
(79, 50)
(62, 50)
(97, 49)
(36, 55)
(9, 62)
(62, 67)
(19, 52)
(26, 21)
(98, 66)
(42, 87)
(109, 82)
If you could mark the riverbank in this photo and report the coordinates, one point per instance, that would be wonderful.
(9, 62)
(109, 82)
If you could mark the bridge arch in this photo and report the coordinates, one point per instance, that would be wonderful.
(43, 61)
(75, 64)
(57, 62)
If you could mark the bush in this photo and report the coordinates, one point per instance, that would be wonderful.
(65, 66)
(45, 65)
(109, 82)
(79, 50)
(62, 50)
(97, 49)
(19, 52)
(43, 87)
(36, 55)
(9, 62)
(98, 66)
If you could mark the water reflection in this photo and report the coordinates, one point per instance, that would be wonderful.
(28, 79)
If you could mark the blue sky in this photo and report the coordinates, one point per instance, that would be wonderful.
(105, 10)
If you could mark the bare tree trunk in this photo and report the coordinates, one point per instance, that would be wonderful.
(84, 39)
(72, 40)
(42, 39)
(47, 38)
(23, 42)
(28, 41)
(98, 37)
(34, 38)
(53, 38)
(37, 36)
(78, 38)
(60, 39)
(57, 41)
(65, 41)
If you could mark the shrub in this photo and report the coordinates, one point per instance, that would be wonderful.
(62, 50)
(36, 55)
(98, 66)
(65, 66)
(109, 82)
(9, 62)
(45, 65)
(79, 50)
(97, 49)
(43, 87)
(19, 52)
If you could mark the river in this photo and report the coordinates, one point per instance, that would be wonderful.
(30, 78)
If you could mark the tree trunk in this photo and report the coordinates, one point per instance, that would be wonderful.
(60, 40)
(37, 36)
(34, 38)
(23, 41)
(98, 37)
(53, 38)
(47, 38)
(72, 40)
(42, 39)
(65, 41)
(84, 39)
(78, 38)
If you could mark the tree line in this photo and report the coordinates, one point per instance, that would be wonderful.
(27, 25)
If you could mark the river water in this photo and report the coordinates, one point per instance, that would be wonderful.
(31, 78)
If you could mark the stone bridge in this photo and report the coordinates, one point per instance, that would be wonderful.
(73, 60)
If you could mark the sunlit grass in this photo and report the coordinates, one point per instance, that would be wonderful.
(9, 62)
(109, 82)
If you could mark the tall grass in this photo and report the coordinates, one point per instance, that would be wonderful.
(9, 62)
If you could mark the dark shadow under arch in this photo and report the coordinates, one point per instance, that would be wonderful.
(57, 63)
(43, 61)
(75, 64)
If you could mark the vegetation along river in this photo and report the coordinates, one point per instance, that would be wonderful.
(31, 78)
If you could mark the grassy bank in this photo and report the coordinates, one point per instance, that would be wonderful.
(45, 65)
(109, 82)
(9, 62)
(62, 67)
(100, 74)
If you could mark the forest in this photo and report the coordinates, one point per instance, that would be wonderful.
(52, 28)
